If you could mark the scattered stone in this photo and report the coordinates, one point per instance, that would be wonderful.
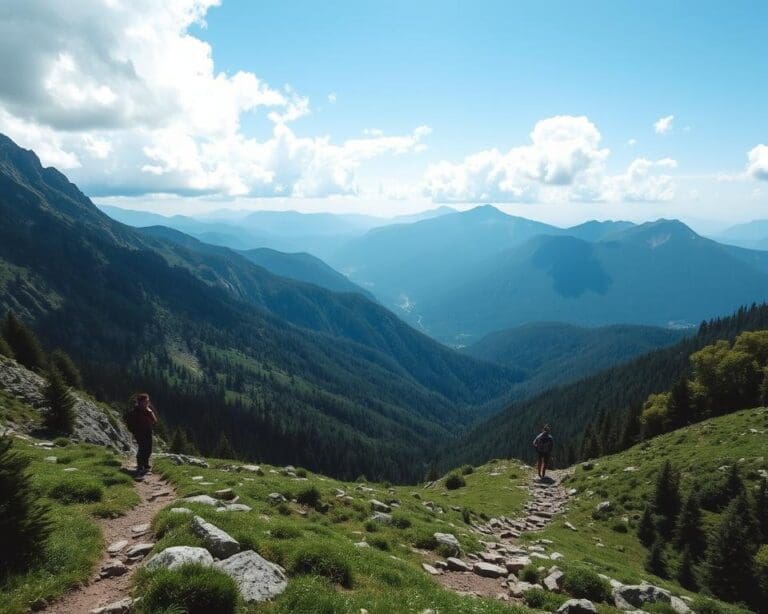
(630, 469)
(257, 578)
(552, 581)
(431, 570)
(51, 459)
(568, 525)
(251, 468)
(518, 589)
(123, 606)
(588, 465)
(603, 506)
(140, 529)
(175, 556)
(362, 545)
(139, 550)
(489, 570)
(456, 564)
(70, 469)
(117, 546)
(577, 606)
(555, 556)
(679, 606)
(631, 596)
(227, 494)
(180, 510)
(378, 506)
(275, 498)
(113, 568)
(517, 563)
(234, 507)
(382, 518)
(219, 543)
(449, 541)
(197, 478)
(203, 500)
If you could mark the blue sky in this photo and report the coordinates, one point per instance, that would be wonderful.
(546, 108)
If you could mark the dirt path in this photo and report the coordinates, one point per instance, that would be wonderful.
(119, 566)
(548, 498)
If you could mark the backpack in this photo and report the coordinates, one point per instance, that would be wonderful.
(544, 443)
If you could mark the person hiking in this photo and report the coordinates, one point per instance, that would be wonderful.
(141, 419)
(544, 443)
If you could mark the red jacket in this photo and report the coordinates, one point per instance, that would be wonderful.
(141, 420)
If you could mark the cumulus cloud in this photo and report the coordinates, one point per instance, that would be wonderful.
(663, 125)
(757, 167)
(564, 161)
(126, 99)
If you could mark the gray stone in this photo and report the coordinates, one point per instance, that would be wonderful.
(382, 518)
(251, 468)
(449, 542)
(117, 546)
(139, 550)
(180, 510)
(432, 571)
(603, 506)
(202, 500)
(175, 556)
(577, 606)
(632, 596)
(518, 589)
(568, 525)
(51, 459)
(124, 606)
(70, 469)
(275, 498)
(378, 506)
(140, 529)
(489, 570)
(257, 578)
(552, 581)
(234, 507)
(456, 564)
(113, 568)
(362, 545)
(227, 494)
(184, 459)
(219, 543)
(679, 606)
(515, 564)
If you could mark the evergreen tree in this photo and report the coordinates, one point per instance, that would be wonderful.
(180, 443)
(761, 510)
(734, 485)
(24, 524)
(24, 343)
(681, 412)
(656, 562)
(60, 360)
(224, 448)
(764, 388)
(689, 536)
(646, 530)
(728, 568)
(666, 499)
(60, 416)
(5, 349)
(630, 434)
(686, 572)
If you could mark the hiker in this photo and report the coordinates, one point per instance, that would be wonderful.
(141, 419)
(543, 444)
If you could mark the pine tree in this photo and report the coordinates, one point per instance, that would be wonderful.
(646, 530)
(686, 572)
(656, 562)
(761, 510)
(66, 366)
(734, 485)
(630, 434)
(764, 388)
(728, 568)
(24, 524)
(666, 499)
(24, 343)
(680, 406)
(179, 442)
(689, 535)
(60, 416)
(224, 448)
(5, 349)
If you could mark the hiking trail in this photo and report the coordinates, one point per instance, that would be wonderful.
(127, 540)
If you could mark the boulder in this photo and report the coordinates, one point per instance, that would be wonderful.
(251, 468)
(275, 498)
(226, 494)
(577, 606)
(515, 564)
(382, 518)
(679, 606)
(552, 581)
(117, 607)
(257, 578)
(633, 596)
(113, 568)
(378, 506)
(202, 499)
(455, 564)
(180, 510)
(518, 589)
(175, 556)
(489, 570)
(431, 570)
(219, 544)
(603, 506)
(117, 546)
(448, 541)
(234, 507)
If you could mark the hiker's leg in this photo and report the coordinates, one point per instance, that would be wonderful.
(142, 456)
(149, 451)
(538, 465)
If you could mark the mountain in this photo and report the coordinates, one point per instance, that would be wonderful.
(572, 408)
(659, 273)
(752, 235)
(287, 370)
(552, 353)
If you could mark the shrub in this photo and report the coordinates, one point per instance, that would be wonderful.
(540, 599)
(193, 589)
(283, 509)
(400, 521)
(60, 416)
(321, 559)
(285, 531)
(61, 361)
(465, 515)
(379, 542)
(309, 496)
(301, 473)
(529, 574)
(24, 524)
(76, 490)
(620, 527)
(454, 481)
(61, 442)
(467, 469)
(23, 343)
(424, 540)
(371, 526)
(584, 583)
(660, 608)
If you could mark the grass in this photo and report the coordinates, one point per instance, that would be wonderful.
(76, 542)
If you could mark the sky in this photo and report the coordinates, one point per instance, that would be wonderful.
(559, 111)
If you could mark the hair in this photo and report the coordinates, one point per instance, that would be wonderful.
(547, 428)
(142, 396)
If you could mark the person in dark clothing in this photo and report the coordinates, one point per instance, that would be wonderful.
(544, 443)
(141, 420)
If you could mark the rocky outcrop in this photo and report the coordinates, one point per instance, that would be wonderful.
(93, 423)
(633, 596)
(219, 543)
(176, 556)
(577, 606)
(257, 578)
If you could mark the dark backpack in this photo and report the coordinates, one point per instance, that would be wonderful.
(544, 443)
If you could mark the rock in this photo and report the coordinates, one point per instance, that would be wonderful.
(219, 544)
(555, 556)
(51, 459)
(70, 469)
(124, 606)
(431, 570)
(518, 589)
(234, 507)
(275, 498)
(517, 563)
(117, 546)
(552, 581)
(184, 459)
(197, 478)
(492, 557)
(378, 506)
(629, 469)
(251, 468)
(139, 550)
(180, 510)
(227, 494)
(257, 578)
(338, 492)
(603, 506)
(577, 606)
(455, 564)
(679, 606)
(588, 465)
(489, 570)
(202, 499)
(382, 518)
(631, 596)
(362, 545)
(568, 525)
(449, 541)
(140, 529)
(176, 556)
(113, 568)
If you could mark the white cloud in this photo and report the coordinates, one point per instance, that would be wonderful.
(563, 162)
(757, 168)
(126, 99)
(632, 142)
(663, 125)
(332, 97)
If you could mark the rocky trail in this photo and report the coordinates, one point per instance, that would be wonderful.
(127, 541)
(492, 573)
